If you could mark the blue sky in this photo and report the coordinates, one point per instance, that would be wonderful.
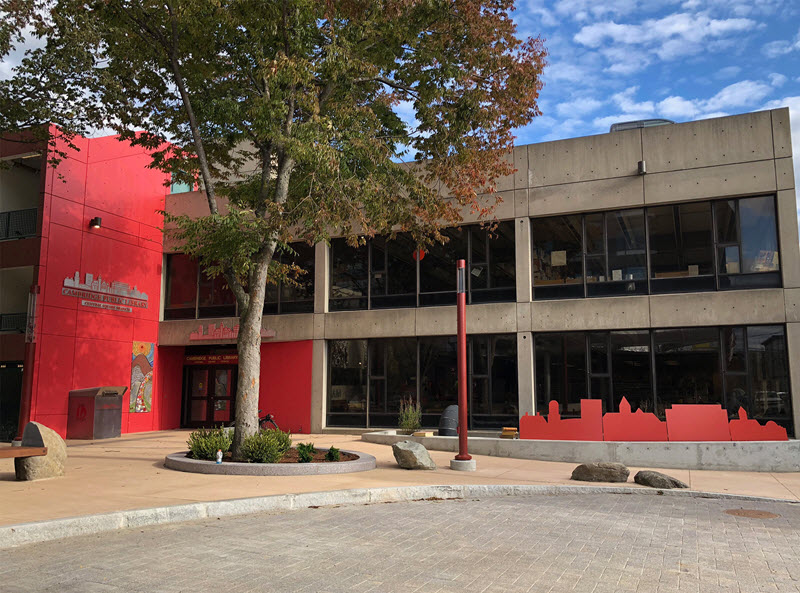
(619, 60)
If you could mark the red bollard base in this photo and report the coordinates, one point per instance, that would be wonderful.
(463, 457)
(463, 465)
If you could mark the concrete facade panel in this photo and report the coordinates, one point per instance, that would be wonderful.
(709, 182)
(793, 355)
(525, 373)
(319, 385)
(719, 141)
(584, 159)
(781, 132)
(344, 325)
(436, 321)
(791, 298)
(590, 314)
(496, 318)
(521, 166)
(788, 239)
(524, 317)
(784, 173)
(521, 202)
(506, 182)
(742, 307)
(522, 237)
(603, 194)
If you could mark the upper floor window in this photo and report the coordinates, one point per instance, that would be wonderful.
(720, 245)
(390, 273)
(190, 294)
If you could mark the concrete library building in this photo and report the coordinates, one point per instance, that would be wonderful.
(656, 264)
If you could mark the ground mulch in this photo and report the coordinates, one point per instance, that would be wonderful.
(292, 456)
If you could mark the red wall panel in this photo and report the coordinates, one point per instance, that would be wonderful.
(169, 378)
(83, 346)
(285, 384)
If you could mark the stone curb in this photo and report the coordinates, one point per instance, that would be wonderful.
(27, 533)
(179, 462)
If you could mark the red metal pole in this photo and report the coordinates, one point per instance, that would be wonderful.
(461, 303)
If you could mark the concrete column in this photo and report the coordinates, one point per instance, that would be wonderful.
(788, 238)
(322, 271)
(525, 373)
(522, 236)
(793, 354)
(319, 385)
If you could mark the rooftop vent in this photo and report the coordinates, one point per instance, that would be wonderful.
(640, 123)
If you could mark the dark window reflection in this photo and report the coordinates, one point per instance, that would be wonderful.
(560, 371)
(216, 299)
(393, 378)
(347, 390)
(557, 257)
(181, 296)
(349, 276)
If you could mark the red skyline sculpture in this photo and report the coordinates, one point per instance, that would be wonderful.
(685, 422)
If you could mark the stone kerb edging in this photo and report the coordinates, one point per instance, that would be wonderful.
(756, 456)
(179, 462)
(28, 533)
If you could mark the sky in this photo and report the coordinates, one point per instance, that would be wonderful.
(683, 60)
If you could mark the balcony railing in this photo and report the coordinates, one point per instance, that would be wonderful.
(18, 224)
(13, 322)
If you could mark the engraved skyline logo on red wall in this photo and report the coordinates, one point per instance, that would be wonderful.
(96, 292)
(685, 422)
(223, 332)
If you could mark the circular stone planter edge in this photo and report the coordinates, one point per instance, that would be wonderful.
(179, 461)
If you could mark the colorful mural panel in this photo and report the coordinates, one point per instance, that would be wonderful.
(142, 364)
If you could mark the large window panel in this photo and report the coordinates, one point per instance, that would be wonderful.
(769, 371)
(557, 257)
(298, 296)
(394, 272)
(687, 365)
(630, 369)
(181, 297)
(438, 371)
(216, 299)
(347, 387)
(393, 378)
(493, 264)
(759, 235)
(625, 270)
(560, 371)
(437, 268)
(349, 276)
(681, 248)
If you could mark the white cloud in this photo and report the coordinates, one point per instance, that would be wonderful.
(738, 94)
(727, 72)
(626, 102)
(677, 108)
(580, 106)
(777, 79)
(775, 49)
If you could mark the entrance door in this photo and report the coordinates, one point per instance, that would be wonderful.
(10, 393)
(210, 395)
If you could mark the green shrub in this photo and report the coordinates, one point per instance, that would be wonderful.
(332, 454)
(205, 442)
(266, 446)
(305, 452)
(410, 417)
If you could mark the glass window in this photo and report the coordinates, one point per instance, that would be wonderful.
(769, 374)
(504, 387)
(681, 248)
(557, 257)
(349, 276)
(630, 367)
(625, 271)
(393, 378)
(216, 299)
(759, 235)
(493, 278)
(437, 268)
(438, 376)
(687, 367)
(560, 371)
(347, 372)
(298, 297)
(181, 287)
(394, 272)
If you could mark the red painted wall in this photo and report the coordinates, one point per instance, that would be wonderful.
(80, 346)
(285, 384)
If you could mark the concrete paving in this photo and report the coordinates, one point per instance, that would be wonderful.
(128, 473)
(587, 543)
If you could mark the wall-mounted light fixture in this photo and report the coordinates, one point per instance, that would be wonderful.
(95, 223)
(642, 168)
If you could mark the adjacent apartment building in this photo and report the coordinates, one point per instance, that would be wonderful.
(658, 264)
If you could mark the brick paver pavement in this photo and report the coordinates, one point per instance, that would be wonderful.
(569, 543)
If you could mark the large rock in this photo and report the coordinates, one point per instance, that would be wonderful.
(601, 472)
(658, 480)
(412, 455)
(43, 466)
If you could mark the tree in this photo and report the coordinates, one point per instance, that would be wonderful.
(292, 115)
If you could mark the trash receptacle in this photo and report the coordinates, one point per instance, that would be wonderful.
(448, 423)
(95, 413)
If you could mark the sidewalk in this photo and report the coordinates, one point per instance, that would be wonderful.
(128, 473)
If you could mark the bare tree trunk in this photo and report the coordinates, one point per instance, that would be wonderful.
(248, 345)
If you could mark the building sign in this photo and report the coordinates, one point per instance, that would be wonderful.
(96, 292)
(223, 332)
(211, 359)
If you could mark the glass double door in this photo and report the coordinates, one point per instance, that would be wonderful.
(210, 395)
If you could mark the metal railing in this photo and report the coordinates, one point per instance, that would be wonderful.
(13, 322)
(18, 224)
